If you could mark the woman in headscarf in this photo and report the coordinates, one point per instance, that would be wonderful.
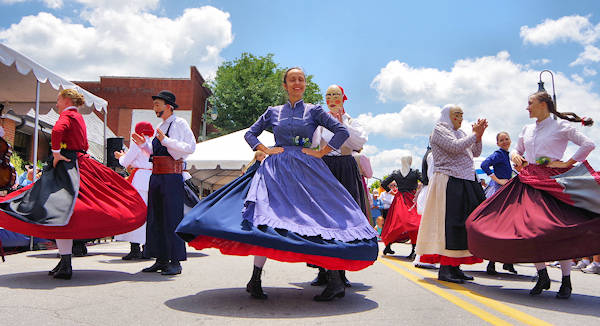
(453, 195)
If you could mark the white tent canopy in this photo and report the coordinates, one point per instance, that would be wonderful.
(217, 161)
(25, 84)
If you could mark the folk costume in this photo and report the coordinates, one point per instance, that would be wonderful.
(166, 192)
(544, 214)
(502, 169)
(141, 169)
(77, 199)
(403, 220)
(453, 194)
(290, 208)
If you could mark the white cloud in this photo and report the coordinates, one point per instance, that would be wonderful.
(412, 121)
(492, 87)
(587, 71)
(124, 38)
(540, 62)
(569, 28)
(589, 55)
(54, 4)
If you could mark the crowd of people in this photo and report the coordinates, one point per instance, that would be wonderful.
(306, 198)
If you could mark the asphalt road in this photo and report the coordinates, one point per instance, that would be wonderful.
(106, 290)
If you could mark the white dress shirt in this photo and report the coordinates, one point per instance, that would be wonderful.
(550, 138)
(356, 141)
(386, 199)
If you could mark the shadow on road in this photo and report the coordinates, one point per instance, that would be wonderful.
(42, 281)
(282, 303)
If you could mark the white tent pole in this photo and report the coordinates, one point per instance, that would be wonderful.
(35, 129)
(104, 145)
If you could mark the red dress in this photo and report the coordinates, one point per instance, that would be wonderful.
(81, 199)
(402, 221)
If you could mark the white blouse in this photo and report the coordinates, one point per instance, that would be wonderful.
(356, 141)
(137, 158)
(550, 138)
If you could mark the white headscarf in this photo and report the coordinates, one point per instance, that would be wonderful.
(445, 119)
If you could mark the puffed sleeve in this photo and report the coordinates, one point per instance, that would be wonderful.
(586, 145)
(183, 141)
(443, 137)
(489, 161)
(322, 118)
(358, 137)
(263, 122)
(62, 124)
(386, 182)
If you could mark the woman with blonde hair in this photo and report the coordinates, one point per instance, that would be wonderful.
(76, 196)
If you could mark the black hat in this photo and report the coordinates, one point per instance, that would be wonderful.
(168, 97)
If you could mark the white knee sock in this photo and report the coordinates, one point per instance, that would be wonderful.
(565, 267)
(65, 246)
(539, 266)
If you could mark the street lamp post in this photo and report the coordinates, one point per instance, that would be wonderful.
(213, 116)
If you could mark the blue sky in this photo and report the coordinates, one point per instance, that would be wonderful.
(399, 61)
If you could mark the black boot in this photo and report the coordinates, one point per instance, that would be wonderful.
(56, 268)
(65, 271)
(565, 288)
(543, 282)
(491, 268)
(459, 274)
(135, 252)
(321, 278)
(388, 250)
(254, 287)
(344, 279)
(173, 268)
(445, 274)
(335, 287)
(159, 265)
(510, 268)
(412, 253)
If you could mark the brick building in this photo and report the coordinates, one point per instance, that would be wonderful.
(130, 100)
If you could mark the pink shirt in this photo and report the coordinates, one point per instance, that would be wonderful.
(550, 138)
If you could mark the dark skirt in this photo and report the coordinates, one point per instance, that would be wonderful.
(81, 199)
(544, 214)
(217, 222)
(345, 169)
(462, 197)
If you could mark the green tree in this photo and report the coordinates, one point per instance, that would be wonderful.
(245, 87)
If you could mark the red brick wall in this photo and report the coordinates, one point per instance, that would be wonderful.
(125, 94)
(9, 130)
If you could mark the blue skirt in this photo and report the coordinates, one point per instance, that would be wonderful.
(294, 210)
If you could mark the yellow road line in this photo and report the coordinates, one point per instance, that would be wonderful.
(488, 317)
(494, 304)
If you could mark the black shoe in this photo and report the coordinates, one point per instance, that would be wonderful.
(135, 252)
(65, 271)
(335, 287)
(459, 274)
(445, 274)
(491, 268)
(254, 287)
(543, 282)
(510, 268)
(344, 279)
(173, 268)
(159, 265)
(56, 268)
(321, 278)
(388, 250)
(565, 288)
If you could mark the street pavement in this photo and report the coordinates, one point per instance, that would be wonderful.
(106, 290)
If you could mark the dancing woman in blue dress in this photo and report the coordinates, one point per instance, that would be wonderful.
(289, 208)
